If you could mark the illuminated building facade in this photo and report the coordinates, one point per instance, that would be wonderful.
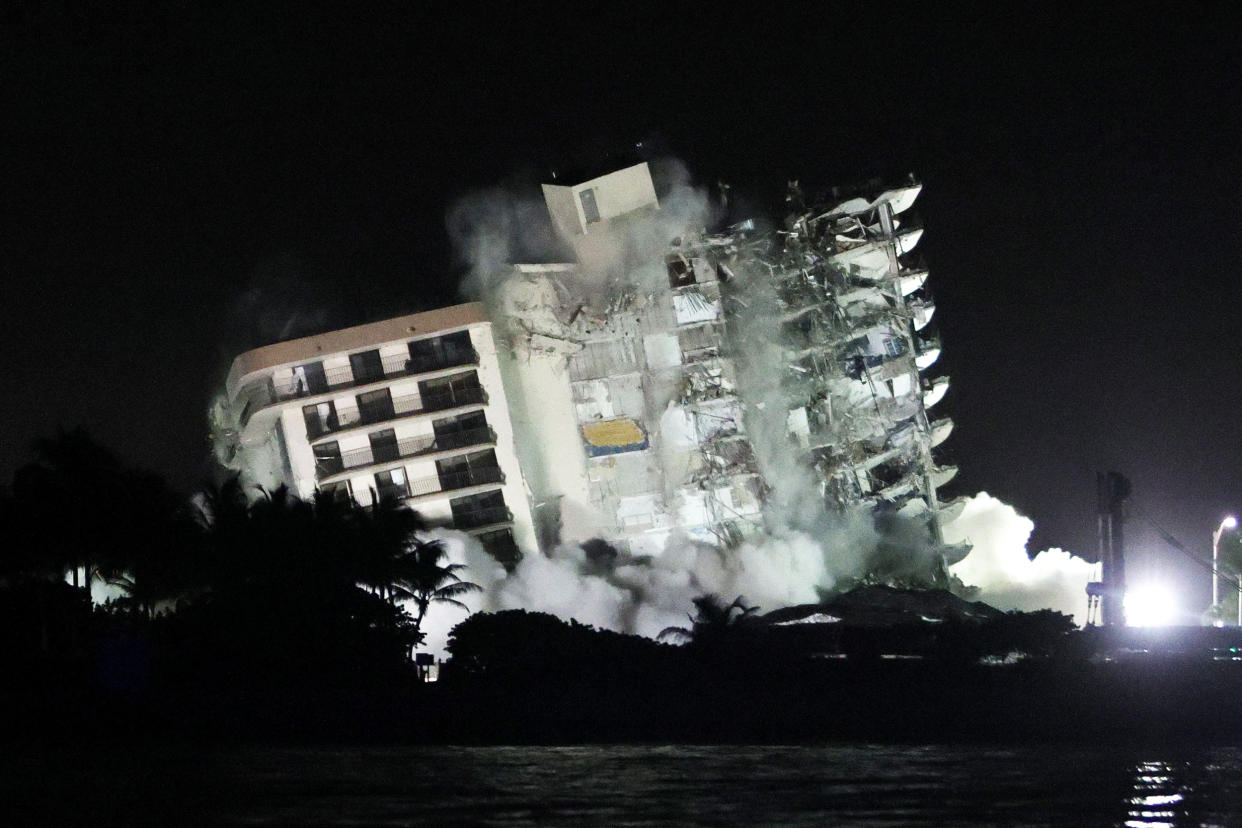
(410, 408)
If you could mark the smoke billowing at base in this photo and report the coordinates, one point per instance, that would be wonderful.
(644, 596)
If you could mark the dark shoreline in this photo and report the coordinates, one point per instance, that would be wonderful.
(1153, 699)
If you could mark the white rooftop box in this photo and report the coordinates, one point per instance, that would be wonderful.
(578, 208)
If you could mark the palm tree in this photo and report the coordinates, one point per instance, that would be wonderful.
(379, 539)
(84, 476)
(712, 622)
(425, 577)
(153, 532)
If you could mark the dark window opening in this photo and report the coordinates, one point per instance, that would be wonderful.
(375, 406)
(463, 430)
(328, 459)
(680, 272)
(474, 469)
(367, 366)
(391, 484)
(384, 446)
(480, 510)
(320, 419)
(309, 379)
(462, 422)
(590, 210)
(447, 392)
(440, 352)
(340, 492)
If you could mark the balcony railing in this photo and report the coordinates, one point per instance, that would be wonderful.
(404, 406)
(392, 492)
(408, 447)
(262, 394)
(482, 517)
(451, 481)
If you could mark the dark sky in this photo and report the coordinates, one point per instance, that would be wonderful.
(178, 185)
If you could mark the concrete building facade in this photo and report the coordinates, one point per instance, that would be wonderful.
(411, 408)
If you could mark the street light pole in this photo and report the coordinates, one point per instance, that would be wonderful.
(1230, 522)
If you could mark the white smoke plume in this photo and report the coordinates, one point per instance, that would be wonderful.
(634, 595)
(643, 596)
(999, 564)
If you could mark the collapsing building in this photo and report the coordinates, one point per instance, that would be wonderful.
(696, 381)
(852, 318)
(664, 384)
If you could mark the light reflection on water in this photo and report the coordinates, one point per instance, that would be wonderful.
(864, 785)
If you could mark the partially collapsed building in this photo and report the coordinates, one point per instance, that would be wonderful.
(676, 403)
(704, 390)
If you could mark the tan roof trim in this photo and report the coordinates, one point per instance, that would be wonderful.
(412, 326)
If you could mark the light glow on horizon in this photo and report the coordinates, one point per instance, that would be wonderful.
(1151, 604)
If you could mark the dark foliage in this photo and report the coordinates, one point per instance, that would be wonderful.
(224, 595)
(535, 647)
(269, 616)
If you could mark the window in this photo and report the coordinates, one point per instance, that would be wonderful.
(340, 492)
(391, 483)
(374, 406)
(320, 419)
(309, 379)
(680, 272)
(464, 430)
(474, 469)
(590, 210)
(367, 366)
(440, 352)
(384, 445)
(501, 546)
(447, 392)
(479, 510)
(328, 459)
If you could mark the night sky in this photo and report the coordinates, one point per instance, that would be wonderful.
(180, 186)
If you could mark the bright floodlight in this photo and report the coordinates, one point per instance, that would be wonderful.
(1230, 522)
(1150, 605)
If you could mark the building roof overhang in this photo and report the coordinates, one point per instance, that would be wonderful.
(370, 335)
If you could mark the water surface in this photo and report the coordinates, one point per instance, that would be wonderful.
(864, 785)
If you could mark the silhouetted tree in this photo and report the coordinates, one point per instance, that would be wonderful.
(425, 576)
(74, 487)
(380, 542)
(712, 622)
(304, 583)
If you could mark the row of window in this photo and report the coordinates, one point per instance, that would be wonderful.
(425, 355)
(380, 405)
(469, 512)
(461, 471)
(447, 434)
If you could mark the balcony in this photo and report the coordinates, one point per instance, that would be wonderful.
(263, 393)
(402, 449)
(475, 518)
(408, 405)
(452, 481)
